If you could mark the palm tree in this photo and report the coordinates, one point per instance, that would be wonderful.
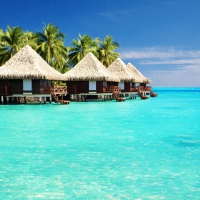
(106, 50)
(1, 33)
(30, 39)
(80, 48)
(60, 64)
(51, 46)
(10, 43)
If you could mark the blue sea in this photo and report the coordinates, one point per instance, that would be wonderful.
(137, 149)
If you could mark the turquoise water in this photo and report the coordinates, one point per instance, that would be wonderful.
(138, 149)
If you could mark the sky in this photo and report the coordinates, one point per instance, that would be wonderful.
(161, 38)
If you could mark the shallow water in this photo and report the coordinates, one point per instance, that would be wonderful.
(138, 149)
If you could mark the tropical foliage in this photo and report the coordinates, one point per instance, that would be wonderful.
(49, 44)
(30, 38)
(80, 48)
(11, 41)
(106, 50)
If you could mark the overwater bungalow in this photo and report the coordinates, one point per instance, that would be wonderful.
(127, 80)
(140, 84)
(27, 75)
(90, 78)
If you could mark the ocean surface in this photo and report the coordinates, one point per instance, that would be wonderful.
(137, 149)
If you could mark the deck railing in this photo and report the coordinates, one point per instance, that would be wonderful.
(147, 88)
(140, 88)
(71, 89)
(134, 89)
(5, 90)
(113, 89)
(53, 89)
(59, 89)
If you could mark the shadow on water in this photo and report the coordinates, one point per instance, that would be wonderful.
(184, 141)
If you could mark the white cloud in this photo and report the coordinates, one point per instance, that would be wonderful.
(178, 78)
(170, 62)
(159, 53)
(188, 75)
(174, 67)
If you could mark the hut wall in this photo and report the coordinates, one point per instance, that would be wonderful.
(4, 82)
(99, 86)
(83, 86)
(36, 86)
(127, 86)
(143, 84)
(70, 83)
(112, 83)
(16, 86)
(44, 82)
(80, 87)
(71, 87)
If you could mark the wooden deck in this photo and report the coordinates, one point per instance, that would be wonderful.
(109, 93)
(45, 92)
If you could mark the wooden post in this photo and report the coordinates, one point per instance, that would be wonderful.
(2, 99)
(50, 99)
(40, 99)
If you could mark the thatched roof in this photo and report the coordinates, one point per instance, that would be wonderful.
(119, 68)
(88, 69)
(139, 78)
(27, 64)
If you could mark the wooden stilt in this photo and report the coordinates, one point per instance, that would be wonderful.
(2, 99)
(50, 99)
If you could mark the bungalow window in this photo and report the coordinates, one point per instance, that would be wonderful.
(121, 85)
(92, 85)
(27, 86)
